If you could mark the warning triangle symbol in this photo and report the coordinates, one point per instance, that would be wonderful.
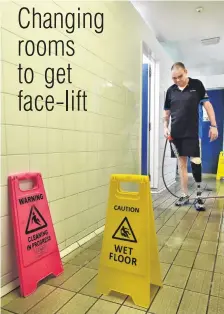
(124, 232)
(36, 221)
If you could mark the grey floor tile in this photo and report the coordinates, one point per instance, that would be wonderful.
(164, 269)
(128, 310)
(10, 296)
(72, 255)
(94, 244)
(90, 288)
(221, 249)
(177, 276)
(180, 233)
(5, 312)
(195, 234)
(94, 263)
(208, 247)
(211, 236)
(84, 257)
(213, 226)
(167, 255)
(200, 281)
(104, 307)
(69, 270)
(216, 305)
(162, 239)
(218, 285)
(198, 225)
(174, 243)
(166, 301)
(52, 303)
(21, 305)
(191, 245)
(115, 297)
(221, 238)
(166, 231)
(219, 267)
(130, 303)
(79, 279)
(193, 303)
(204, 262)
(79, 304)
(173, 221)
(185, 258)
(97, 246)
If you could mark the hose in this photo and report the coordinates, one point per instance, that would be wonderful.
(163, 176)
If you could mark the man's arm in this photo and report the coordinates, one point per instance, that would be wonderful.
(166, 114)
(213, 132)
(210, 111)
(166, 118)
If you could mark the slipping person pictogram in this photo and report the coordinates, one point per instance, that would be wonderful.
(124, 232)
(35, 221)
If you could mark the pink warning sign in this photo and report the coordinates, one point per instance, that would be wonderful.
(36, 245)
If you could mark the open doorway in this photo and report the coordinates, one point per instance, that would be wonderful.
(210, 150)
(148, 119)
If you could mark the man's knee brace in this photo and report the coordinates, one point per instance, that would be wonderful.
(196, 168)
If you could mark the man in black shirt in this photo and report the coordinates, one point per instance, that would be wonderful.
(182, 104)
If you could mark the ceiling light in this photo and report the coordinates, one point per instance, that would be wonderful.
(199, 10)
(210, 41)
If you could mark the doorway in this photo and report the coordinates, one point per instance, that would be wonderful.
(146, 126)
(148, 114)
(210, 150)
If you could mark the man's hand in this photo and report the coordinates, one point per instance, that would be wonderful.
(213, 134)
(166, 119)
(166, 132)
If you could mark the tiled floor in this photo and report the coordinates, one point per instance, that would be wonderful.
(191, 248)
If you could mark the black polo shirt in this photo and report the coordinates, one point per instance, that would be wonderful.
(184, 105)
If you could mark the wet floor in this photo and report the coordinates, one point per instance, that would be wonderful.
(191, 249)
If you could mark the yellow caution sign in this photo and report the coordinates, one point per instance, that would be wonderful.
(129, 260)
(220, 170)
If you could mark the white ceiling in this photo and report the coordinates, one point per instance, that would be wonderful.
(180, 29)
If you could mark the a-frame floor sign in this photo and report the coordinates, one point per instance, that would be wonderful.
(36, 246)
(129, 260)
(220, 169)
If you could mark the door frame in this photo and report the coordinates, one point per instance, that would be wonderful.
(153, 134)
(213, 89)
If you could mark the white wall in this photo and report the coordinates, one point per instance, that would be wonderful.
(85, 146)
(213, 81)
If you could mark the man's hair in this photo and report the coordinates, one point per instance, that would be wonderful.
(178, 65)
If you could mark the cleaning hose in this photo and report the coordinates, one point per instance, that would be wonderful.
(169, 138)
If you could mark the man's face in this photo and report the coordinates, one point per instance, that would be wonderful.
(179, 76)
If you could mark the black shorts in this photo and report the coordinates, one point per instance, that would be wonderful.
(189, 147)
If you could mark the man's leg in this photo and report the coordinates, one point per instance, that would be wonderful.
(184, 181)
(196, 171)
(197, 174)
(183, 174)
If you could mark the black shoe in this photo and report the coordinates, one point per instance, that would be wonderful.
(199, 204)
(182, 201)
